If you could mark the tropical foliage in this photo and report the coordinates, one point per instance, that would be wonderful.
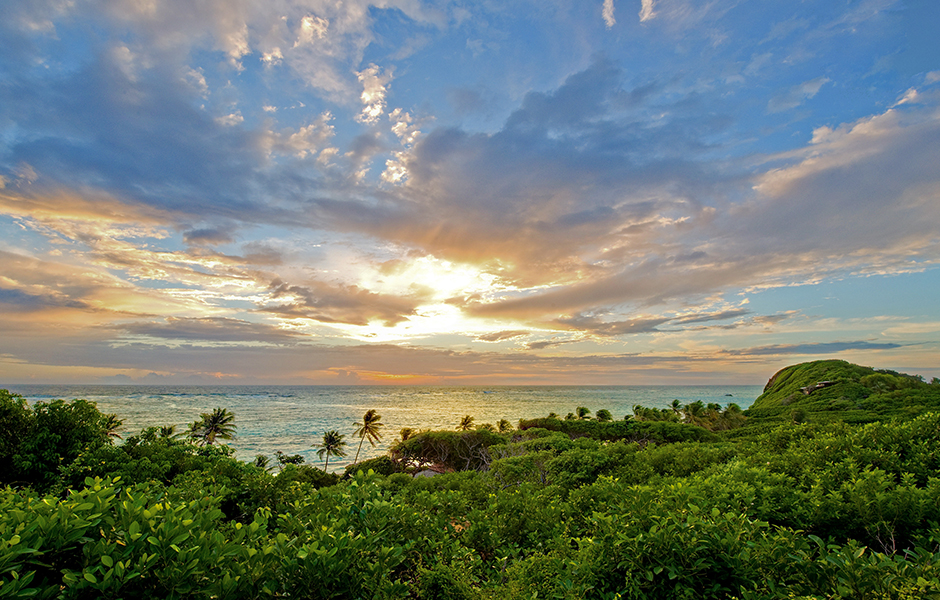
(35, 441)
(217, 425)
(333, 444)
(580, 508)
(369, 429)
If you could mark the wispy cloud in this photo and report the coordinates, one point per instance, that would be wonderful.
(796, 95)
(211, 329)
(812, 348)
(608, 13)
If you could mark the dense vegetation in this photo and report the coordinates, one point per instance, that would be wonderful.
(698, 504)
(828, 390)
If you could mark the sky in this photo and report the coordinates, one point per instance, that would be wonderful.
(613, 192)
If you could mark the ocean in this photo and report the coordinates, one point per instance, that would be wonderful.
(293, 418)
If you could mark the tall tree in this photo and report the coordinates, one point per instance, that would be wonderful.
(369, 428)
(333, 444)
(168, 432)
(219, 424)
(694, 412)
(37, 441)
(466, 423)
(110, 427)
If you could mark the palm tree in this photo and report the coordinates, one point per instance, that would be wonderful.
(332, 445)
(504, 426)
(584, 412)
(110, 426)
(694, 412)
(603, 415)
(168, 432)
(676, 406)
(263, 461)
(406, 433)
(638, 411)
(466, 423)
(369, 428)
(219, 424)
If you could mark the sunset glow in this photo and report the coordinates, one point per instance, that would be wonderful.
(654, 192)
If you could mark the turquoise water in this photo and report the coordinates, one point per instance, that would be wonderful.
(293, 418)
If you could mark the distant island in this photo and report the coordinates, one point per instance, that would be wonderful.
(825, 487)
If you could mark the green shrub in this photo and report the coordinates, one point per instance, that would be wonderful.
(37, 441)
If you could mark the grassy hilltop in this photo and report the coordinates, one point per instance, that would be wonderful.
(829, 390)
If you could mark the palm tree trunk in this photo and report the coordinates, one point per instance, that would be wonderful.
(326, 465)
(361, 439)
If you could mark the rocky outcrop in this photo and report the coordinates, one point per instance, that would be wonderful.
(817, 386)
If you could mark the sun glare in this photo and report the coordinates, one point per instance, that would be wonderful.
(437, 284)
(437, 280)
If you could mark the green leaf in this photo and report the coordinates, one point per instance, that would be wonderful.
(107, 561)
(88, 576)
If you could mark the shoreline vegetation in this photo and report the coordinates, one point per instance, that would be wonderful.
(825, 487)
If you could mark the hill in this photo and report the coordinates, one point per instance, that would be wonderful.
(829, 390)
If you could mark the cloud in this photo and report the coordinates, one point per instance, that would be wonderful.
(716, 316)
(881, 190)
(141, 140)
(321, 42)
(212, 236)
(796, 95)
(373, 93)
(578, 203)
(210, 329)
(608, 13)
(346, 304)
(312, 29)
(811, 348)
(597, 326)
(545, 344)
(308, 140)
(282, 363)
(18, 300)
(50, 299)
(519, 194)
(646, 10)
(500, 336)
(769, 320)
